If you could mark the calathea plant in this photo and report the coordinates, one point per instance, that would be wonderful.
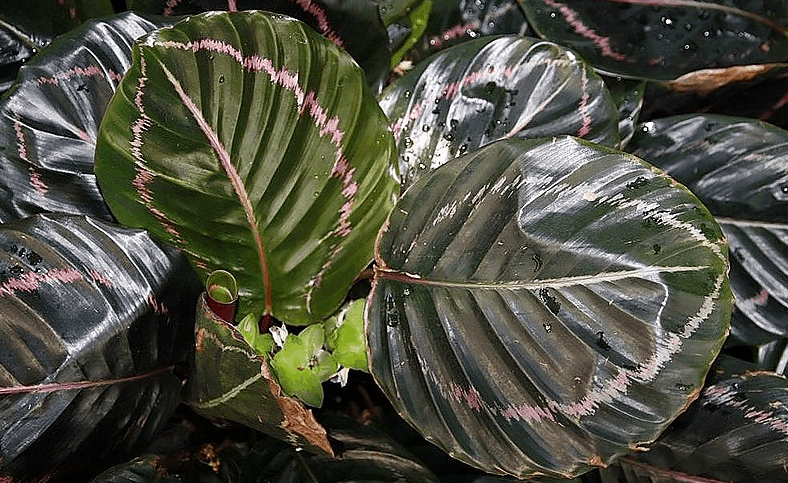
(541, 303)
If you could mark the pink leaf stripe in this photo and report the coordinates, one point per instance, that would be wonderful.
(143, 176)
(453, 33)
(21, 149)
(721, 395)
(448, 92)
(309, 105)
(602, 43)
(30, 281)
(89, 71)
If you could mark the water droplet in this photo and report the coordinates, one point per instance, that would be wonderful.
(425, 128)
(16, 270)
(706, 33)
(667, 21)
(392, 314)
(454, 123)
(688, 27)
(317, 193)
(656, 248)
(537, 262)
(448, 136)
(784, 188)
(221, 79)
(463, 148)
(553, 15)
(406, 292)
(600, 341)
(550, 302)
(407, 94)
(489, 87)
(33, 258)
(639, 182)
(547, 327)
(408, 142)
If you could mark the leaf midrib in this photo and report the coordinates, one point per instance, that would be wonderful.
(399, 276)
(235, 180)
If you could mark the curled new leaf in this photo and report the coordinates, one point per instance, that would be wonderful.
(93, 320)
(275, 138)
(472, 94)
(736, 167)
(542, 306)
(51, 116)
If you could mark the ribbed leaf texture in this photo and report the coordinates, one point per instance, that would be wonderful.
(736, 167)
(487, 89)
(543, 306)
(93, 321)
(255, 122)
(663, 39)
(51, 115)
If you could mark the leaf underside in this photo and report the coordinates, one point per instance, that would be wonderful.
(542, 306)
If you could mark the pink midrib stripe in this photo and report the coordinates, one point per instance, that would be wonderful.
(235, 180)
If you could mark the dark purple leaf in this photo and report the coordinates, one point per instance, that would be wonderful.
(736, 167)
(93, 320)
(663, 39)
(50, 119)
(26, 27)
(737, 430)
(543, 306)
(491, 88)
(367, 456)
(452, 22)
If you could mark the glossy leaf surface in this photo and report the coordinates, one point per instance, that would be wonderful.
(354, 25)
(491, 88)
(51, 116)
(140, 470)
(26, 27)
(736, 167)
(276, 139)
(663, 39)
(542, 306)
(737, 430)
(628, 96)
(93, 319)
(231, 381)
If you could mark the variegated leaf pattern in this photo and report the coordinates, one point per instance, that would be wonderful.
(543, 306)
(737, 430)
(51, 116)
(737, 168)
(274, 138)
(94, 321)
(492, 88)
(231, 381)
(664, 39)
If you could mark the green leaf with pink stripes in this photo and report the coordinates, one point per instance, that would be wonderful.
(543, 306)
(267, 157)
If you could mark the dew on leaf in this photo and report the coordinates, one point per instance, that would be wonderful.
(656, 248)
(221, 79)
(600, 341)
(549, 300)
(425, 127)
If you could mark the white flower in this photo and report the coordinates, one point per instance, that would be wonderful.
(341, 376)
(279, 334)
